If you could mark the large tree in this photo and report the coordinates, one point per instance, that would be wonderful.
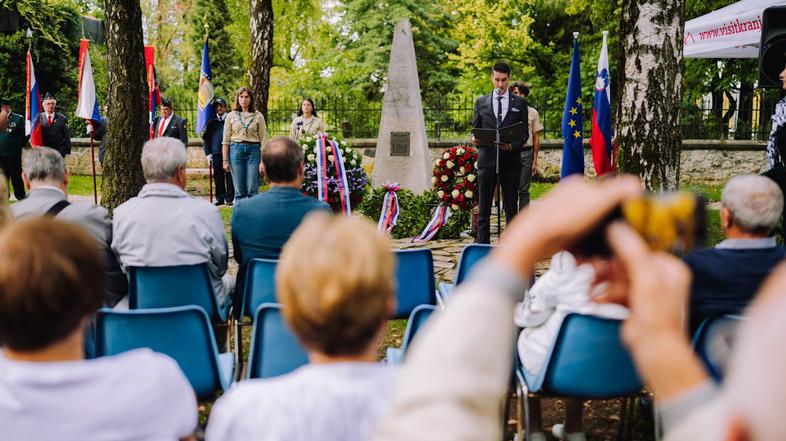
(648, 115)
(227, 68)
(261, 51)
(127, 100)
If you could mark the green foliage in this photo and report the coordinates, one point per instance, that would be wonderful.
(55, 49)
(227, 72)
(415, 212)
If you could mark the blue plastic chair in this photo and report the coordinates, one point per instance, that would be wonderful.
(586, 361)
(417, 319)
(470, 255)
(414, 281)
(259, 286)
(167, 286)
(714, 341)
(184, 333)
(274, 348)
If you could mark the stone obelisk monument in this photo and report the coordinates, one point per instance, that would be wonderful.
(402, 148)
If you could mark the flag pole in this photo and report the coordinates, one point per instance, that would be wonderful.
(93, 160)
(209, 163)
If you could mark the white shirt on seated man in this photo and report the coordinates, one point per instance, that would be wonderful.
(166, 226)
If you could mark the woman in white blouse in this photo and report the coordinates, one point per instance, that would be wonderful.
(335, 283)
(306, 122)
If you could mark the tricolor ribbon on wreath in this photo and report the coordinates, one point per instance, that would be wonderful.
(438, 220)
(390, 208)
(325, 149)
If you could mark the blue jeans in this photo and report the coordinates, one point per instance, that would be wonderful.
(244, 161)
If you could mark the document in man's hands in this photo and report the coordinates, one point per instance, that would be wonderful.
(507, 135)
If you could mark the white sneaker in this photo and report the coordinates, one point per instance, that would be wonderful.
(558, 430)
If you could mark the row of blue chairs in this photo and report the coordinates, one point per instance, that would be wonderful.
(172, 309)
(588, 361)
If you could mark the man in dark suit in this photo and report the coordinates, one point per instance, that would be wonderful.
(213, 136)
(54, 127)
(498, 109)
(262, 224)
(169, 124)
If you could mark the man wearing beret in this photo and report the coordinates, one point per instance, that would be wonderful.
(213, 136)
(169, 124)
(12, 139)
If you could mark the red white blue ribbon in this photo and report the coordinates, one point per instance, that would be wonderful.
(438, 220)
(390, 208)
(341, 174)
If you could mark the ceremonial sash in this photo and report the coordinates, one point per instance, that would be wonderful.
(438, 220)
(390, 208)
(341, 174)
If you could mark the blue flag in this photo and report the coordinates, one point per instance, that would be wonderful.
(572, 120)
(205, 109)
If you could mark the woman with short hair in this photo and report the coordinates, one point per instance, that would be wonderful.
(335, 282)
(245, 134)
(306, 123)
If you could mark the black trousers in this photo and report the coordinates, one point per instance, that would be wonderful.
(225, 190)
(510, 198)
(11, 166)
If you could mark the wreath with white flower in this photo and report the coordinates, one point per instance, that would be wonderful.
(455, 177)
(357, 180)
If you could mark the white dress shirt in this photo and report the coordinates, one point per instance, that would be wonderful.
(505, 103)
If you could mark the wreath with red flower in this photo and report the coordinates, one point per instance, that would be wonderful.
(455, 177)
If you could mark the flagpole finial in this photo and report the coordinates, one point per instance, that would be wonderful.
(575, 35)
(206, 25)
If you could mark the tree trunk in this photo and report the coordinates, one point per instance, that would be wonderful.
(128, 106)
(261, 51)
(650, 57)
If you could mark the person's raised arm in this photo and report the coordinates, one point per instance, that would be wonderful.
(458, 370)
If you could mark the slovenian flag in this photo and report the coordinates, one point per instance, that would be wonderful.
(572, 119)
(205, 109)
(602, 153)
(32, 106)
(87, 101)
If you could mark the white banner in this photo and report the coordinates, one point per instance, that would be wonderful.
(730, 32)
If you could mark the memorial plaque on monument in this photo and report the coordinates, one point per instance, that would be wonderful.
(399, 143)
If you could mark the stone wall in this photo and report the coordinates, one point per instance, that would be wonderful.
(702, 161)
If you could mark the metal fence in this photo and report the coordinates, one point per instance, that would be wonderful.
(451, 118)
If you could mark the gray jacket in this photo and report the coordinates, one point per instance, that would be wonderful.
(93, 218)
(165, 226)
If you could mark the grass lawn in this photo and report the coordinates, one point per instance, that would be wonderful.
(83, 185)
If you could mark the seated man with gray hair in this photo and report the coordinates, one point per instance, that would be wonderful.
(165, 226)
(46, 177)
(726, 277)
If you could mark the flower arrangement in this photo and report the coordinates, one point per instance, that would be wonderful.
(353, 162)
(455, 177)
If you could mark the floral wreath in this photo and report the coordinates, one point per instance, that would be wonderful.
(455, 177)
(357, 179)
